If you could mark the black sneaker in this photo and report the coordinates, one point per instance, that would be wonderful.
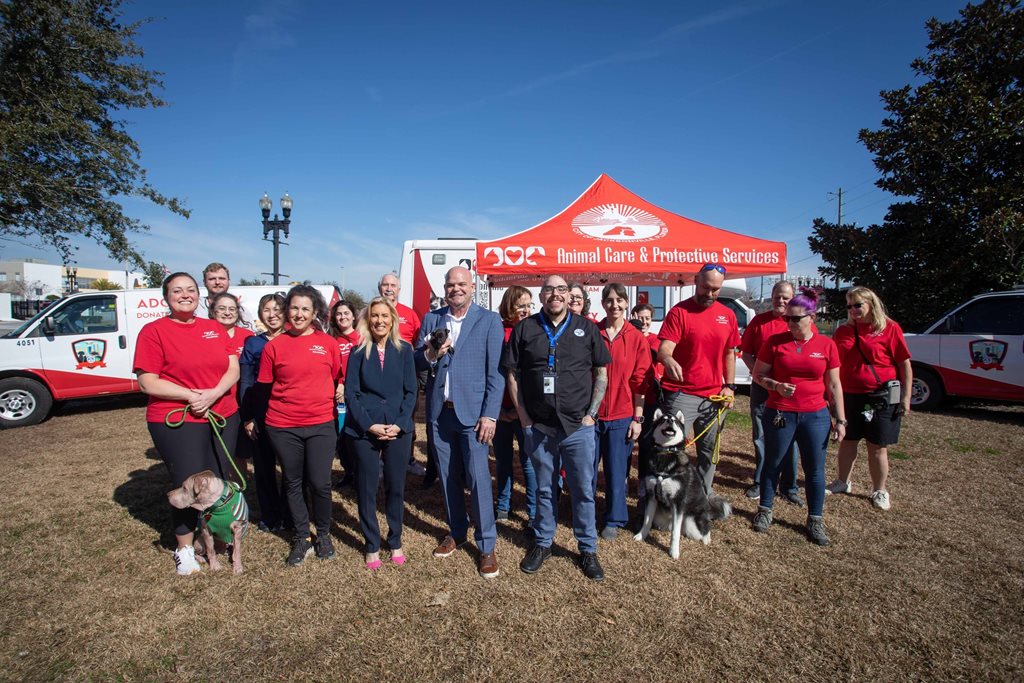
(816, 531)
(501, 515)
(794, 498)
(591, 567)
(302, 547)
(534, 559)
(754, 492)
(324, 547)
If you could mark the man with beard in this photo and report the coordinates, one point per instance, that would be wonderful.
(698, 349)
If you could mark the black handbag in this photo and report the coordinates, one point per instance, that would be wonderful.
(886, 393)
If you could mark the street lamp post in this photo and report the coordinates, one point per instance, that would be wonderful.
(71, 272)
(276, 226)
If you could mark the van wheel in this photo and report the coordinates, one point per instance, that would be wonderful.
(23, 402)
(926, 392)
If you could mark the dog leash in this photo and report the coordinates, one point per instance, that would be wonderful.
(217, 423)
(720, 421)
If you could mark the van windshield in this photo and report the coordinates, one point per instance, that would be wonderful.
(20, 330)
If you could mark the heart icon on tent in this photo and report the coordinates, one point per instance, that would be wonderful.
(514, 256)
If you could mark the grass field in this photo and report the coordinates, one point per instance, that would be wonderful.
(931, 590)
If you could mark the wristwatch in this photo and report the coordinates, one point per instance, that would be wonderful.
(730, 387)
(639, 419)
(842, 422)
(593, 416)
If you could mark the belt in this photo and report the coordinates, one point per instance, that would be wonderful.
(449, 404)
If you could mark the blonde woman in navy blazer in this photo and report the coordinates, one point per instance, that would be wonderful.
(380, 391)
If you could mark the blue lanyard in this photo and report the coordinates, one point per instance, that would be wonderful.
(552, 340)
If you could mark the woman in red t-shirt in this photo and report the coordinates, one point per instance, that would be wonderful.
(872, 351)
(302, 366)
(516, 305)
(343, 329)
(188, 364)
(798, 368)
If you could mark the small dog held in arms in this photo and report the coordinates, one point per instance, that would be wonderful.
(223, 514)
(675, 489)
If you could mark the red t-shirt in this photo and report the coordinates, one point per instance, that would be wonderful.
(193, 355)
(408, 324)
(241, 334)
(631, 360)
(302, 372)
(346, 342)
(701, 335)
(803, 364)
(885, 350)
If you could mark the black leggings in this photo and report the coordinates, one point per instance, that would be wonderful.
(271, 496)
(367, 453)
(188, 449)
(306, 452)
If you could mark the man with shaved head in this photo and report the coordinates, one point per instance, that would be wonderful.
(460, 344)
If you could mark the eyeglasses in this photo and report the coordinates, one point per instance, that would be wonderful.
(548, 289)
(224, 309)
(712, 266)
(794, 318)
(576, 299)
(522, 307)
(859, 305)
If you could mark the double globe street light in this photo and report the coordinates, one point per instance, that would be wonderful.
(276, 226)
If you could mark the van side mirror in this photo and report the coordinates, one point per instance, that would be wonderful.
(48, 327)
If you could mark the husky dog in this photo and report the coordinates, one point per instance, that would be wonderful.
(674, 487)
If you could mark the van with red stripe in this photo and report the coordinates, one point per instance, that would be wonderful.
(976, 350)
(82, 346)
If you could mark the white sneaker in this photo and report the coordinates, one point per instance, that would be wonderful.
(880, 499)
(185, 561)
(416, 468)
(839, 486)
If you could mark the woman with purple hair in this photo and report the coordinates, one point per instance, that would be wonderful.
(797, 368)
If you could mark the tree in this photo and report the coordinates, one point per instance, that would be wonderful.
(953, 146)
(104, 285)
(69, 74)
(155, 273)
(357, 299)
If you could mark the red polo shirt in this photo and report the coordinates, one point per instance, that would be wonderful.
(702, 336)
(627, 373)
(302, 372)
(241, 334)
(885, 350)
(803, 364)
(408, 324)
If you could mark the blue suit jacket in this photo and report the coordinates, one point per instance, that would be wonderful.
(380, 396)
(476, 385)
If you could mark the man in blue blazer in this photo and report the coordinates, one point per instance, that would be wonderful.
(463, 399)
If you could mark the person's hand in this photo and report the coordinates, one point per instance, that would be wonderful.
(588, 421)
(339, 394)
(729, 395)
(633, 433)
(785, 388)
(434, 356)
(202, 400)
(252, 430)
(673, 370)
(484, 430)
(380, 431)
(838, 432)
(905, 404)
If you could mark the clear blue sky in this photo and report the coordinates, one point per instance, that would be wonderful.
(399, 120)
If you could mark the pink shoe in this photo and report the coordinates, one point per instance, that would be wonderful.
(398, 561)
(374, 564)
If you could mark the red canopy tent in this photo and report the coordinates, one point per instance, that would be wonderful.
(610, 234)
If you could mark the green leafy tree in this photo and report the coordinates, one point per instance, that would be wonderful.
(104, 285)
(357, 299)
(953, 146)
(155, 273)
(69, 74)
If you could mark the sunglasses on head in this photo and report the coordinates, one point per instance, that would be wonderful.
(712, 266)
(859, 305)
(794, 318)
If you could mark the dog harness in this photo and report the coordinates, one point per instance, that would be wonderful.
(229, 508)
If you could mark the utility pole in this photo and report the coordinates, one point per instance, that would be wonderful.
(839, 221)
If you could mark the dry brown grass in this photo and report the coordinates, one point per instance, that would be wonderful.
(928, 591)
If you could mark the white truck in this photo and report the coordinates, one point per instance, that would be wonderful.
(976, 350)
(425, 262)
(83, 345)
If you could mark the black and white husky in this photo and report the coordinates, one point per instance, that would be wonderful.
(675, 488)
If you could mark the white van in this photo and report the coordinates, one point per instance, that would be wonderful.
(976, 350)
(425, 262)
(83, 346)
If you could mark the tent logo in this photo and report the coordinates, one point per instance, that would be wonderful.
(619, 223)
(513, 256)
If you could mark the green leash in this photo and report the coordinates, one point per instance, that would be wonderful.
(217, 423)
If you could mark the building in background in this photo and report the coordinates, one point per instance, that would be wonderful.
(31, 279)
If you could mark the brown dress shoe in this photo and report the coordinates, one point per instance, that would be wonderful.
(489, 565)
(447, 546)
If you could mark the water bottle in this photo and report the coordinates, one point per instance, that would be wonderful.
(341, 417)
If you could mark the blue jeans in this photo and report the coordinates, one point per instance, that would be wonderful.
(461, 460)
(758, 396)
(810, 431)
(504, 433)
(576, 453)
(612, 446)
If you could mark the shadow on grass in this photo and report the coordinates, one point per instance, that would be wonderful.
(144, 496)
(95, 405)
(1005, 414)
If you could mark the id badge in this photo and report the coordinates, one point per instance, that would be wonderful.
(549, 382)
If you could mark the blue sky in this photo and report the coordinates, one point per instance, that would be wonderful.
(402, 120)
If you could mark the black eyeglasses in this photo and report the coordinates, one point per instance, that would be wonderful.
(548, 289)
(859, 305)
(712, 266)
(794, 318)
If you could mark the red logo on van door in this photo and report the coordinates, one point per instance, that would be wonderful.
(89, 353)
(988, 354)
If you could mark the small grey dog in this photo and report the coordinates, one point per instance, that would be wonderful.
(675, 488)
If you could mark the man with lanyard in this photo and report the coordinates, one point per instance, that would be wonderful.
(698, 349)
(764, 325)
(555, 363)
(409, 330)
(464, 395)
